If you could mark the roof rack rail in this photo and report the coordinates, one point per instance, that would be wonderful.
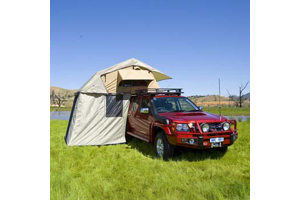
(165, 91)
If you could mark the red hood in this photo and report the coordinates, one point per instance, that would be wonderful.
(192, 116)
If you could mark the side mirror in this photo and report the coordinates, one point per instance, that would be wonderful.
(144, 110)
(200, 108)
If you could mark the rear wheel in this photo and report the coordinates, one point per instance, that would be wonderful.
(162, 147)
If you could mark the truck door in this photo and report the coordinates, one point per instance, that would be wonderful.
(143, 118)
(131, 114)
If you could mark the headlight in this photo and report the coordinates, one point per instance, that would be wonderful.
(182, 128)
(205, 127)
(226, 126)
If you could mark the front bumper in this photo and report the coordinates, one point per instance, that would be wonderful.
(202, 142)
(203, 139)
(227, 141)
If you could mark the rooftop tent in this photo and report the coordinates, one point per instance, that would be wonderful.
(105, 81)
(100, 107)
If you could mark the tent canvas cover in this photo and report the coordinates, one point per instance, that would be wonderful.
(100, 107)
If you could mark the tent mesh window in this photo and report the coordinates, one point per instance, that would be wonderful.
(114, 105)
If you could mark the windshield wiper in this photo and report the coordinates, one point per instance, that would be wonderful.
(177, 111)
(192, 110)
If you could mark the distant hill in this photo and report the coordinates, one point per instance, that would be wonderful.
(209, 100)
(67, 94)
(62, 91)
(246, 96)
(213, 100)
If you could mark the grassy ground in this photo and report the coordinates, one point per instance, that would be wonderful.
(60, 109)
(229, 111)
(131, 171)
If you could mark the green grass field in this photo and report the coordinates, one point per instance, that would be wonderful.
(229, 111)
(131, 171)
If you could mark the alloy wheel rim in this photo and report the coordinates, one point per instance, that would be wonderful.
(159, 147)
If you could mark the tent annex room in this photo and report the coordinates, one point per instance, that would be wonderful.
(100, 107)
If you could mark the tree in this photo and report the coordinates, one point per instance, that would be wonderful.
(57, 99)
(238, 101)
(241, 89)
(52, 96)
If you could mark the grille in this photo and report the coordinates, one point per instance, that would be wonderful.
(213, 127)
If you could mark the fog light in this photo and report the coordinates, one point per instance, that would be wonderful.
(191, 141)
(185, 140)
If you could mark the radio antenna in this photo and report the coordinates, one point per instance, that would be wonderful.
(220, 114)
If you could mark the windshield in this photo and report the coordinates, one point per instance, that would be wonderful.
(174, 104)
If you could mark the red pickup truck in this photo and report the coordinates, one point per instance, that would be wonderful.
(167, 119)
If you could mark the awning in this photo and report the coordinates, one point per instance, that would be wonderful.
(135, 75)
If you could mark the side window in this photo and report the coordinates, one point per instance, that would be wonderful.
(185, 105)
(114, 105)
(144, 104)
(135, 104)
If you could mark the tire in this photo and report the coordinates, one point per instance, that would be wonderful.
(162, 147)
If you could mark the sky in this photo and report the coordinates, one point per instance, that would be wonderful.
(194, 42)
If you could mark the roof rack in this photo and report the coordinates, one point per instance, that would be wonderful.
(163, 91)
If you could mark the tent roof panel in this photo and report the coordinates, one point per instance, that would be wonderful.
(135, 75)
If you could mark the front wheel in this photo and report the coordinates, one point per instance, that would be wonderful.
(162, 147)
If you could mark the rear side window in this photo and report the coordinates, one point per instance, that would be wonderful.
(145, 103)
(135, 104)
(114, 105)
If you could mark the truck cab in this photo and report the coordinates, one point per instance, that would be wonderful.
(167, 119)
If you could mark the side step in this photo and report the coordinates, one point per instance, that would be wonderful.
(137, 136)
